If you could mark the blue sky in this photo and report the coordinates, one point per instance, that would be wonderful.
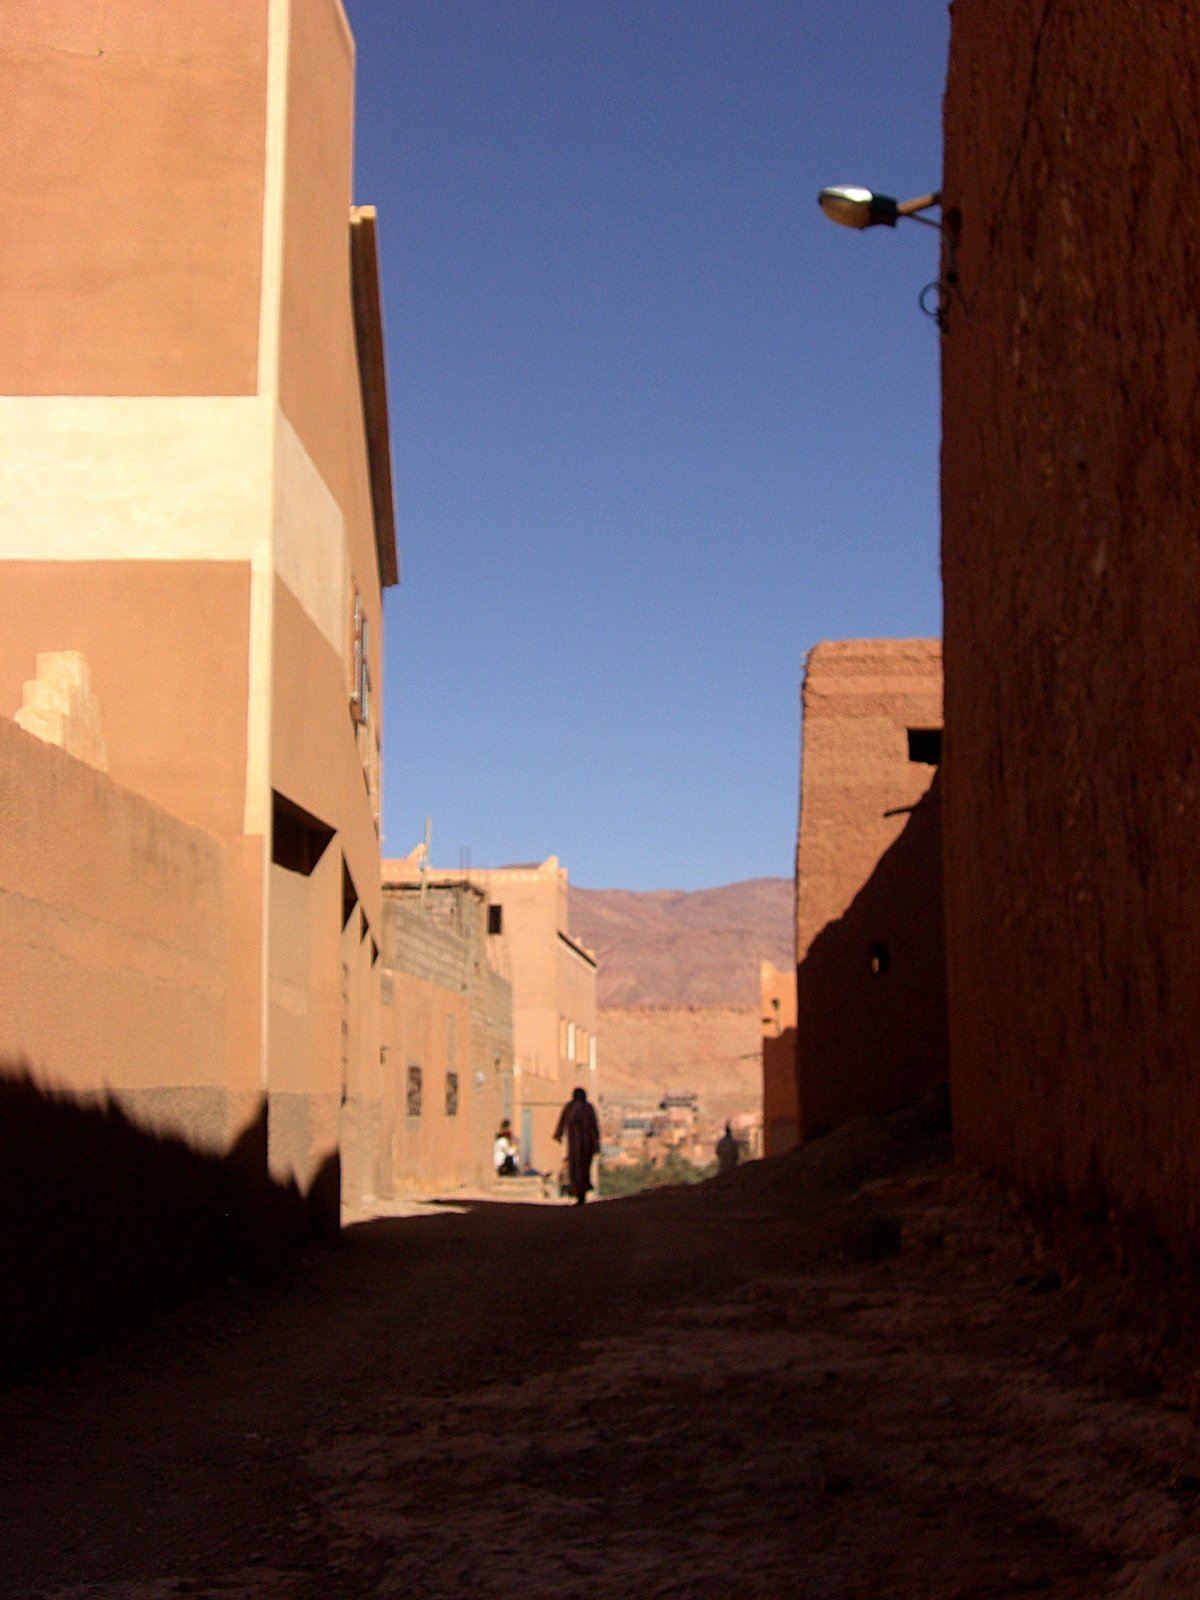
(657, 426)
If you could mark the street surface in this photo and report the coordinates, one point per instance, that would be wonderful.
(850, 1373)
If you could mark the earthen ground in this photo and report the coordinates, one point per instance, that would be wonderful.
(849, 1372)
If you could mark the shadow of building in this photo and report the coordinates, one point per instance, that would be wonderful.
(103, 1222)
(871, 990)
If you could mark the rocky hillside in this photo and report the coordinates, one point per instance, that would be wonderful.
(669, 947)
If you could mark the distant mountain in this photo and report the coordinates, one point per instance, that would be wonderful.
(669, 947)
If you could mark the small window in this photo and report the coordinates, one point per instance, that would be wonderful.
(413, 1097)
(495, 919)
(298, 839)
(879, 958)
(925, 746)
(349, 894)
(452, 1094)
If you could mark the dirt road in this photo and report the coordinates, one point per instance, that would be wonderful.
(780, 1384)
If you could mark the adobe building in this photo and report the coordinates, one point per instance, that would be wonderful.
(553, 980)
(781, 1106)
(1070, 503)
(447, 1040)
(870, 985)
(196, 524)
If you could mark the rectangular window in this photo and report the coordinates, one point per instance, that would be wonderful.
(298, 839)
(413, 1097)
(452, 1094)
(570, 1041)
(925, 746)
(495, 919)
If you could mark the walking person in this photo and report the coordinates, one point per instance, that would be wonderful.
(577, 1121)
(729, 1151)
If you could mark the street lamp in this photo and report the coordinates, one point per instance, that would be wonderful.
(860, 208)
(853, 207)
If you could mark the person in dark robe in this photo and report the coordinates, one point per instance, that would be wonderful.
(577, 1121)
(729, 1152)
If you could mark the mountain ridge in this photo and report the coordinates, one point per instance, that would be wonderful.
(684, 947)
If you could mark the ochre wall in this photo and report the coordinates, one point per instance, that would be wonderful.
(780, 1105)
(139, 274)
(432, 1151)
(326, 1083)
(128, 948)
(445, 1009)
(196, 541)
(552, 983)
(1071, 502)
(711, 1051)
(314, 761)
(868, 875)
(319, 389)
(166, 646)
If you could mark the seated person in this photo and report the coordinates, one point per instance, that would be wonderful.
(504, 1152)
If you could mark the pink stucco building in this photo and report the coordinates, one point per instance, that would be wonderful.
(196, 528)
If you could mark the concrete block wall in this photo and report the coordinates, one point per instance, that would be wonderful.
(446, 1009)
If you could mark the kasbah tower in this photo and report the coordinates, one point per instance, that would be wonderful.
(196, 509)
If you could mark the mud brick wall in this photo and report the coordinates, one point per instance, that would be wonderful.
(1071, 557)
(870, 977)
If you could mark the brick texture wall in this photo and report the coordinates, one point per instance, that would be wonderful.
(1071, 506)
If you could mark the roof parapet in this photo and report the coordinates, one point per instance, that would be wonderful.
(372, 376)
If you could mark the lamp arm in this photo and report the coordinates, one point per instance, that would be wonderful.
(910, 208)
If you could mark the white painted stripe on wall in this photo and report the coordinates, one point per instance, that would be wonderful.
(310, 539)
(140, 478)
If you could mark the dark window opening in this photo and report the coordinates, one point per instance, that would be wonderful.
(879, 958)
(495, 919)
(452, 1094)
(413, 1095)
(925, 746)
(298, 839)
(349, 894)
(374, 952)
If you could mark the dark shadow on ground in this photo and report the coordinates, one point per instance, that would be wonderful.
(103, 1221)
